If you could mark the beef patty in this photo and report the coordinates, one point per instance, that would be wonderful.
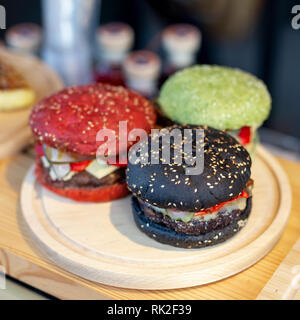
(193, 227)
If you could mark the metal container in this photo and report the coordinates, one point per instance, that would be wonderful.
(69, 32)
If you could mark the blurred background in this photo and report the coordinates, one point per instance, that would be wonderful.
(254, 35)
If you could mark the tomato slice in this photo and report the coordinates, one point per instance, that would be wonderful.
(79, 166)
(39, 150)
(243, 194)
(245, 135)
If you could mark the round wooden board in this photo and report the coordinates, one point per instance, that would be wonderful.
(14, 130)
(100, 242)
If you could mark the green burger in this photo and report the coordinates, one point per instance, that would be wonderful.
(220, 97)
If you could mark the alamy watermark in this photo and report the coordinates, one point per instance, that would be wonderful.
(2, 17)
(295, 22)
(173, 147)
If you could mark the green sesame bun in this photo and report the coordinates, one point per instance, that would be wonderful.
(219, 97)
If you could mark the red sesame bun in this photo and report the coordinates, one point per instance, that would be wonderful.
(71, 118)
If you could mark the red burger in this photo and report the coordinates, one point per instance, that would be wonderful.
(65, 126)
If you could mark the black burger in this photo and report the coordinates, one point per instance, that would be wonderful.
(190, 210)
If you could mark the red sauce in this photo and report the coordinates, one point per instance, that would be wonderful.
(243, 194)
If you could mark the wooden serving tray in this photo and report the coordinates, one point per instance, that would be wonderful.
(14, 130)
(100, 242)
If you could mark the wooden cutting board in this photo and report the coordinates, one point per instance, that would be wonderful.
(14, 130)
(100, 242)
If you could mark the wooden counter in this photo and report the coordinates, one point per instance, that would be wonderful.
(23, 261)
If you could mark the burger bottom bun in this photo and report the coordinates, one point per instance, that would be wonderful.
(168, 236)
(101, 194)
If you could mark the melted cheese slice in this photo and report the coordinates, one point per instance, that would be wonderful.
(185, 216)
(100, 169)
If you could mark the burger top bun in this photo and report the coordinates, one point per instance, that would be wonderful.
(226, 172)
(70, 119)
(215, 96)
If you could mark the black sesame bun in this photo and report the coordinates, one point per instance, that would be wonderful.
(162, 188)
